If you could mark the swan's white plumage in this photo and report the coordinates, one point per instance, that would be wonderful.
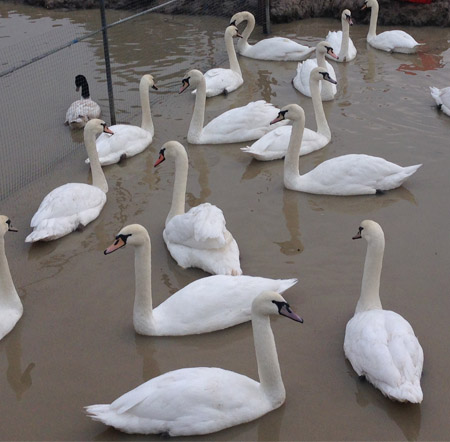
(11, 308)
(129, 140)
(301, 79)
(199, 237)
(244, 123)
(353, 174)
(390, 41)
(442, 98)
(274, 144)
(202, 400)
(274, 48)
(72, 205)
(340, 41)
(381, 344)
(220, 80)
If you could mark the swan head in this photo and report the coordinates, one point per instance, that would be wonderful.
(97, 126)
(369, 4)
(370, 231)
(193, 77)
(347, 16)
(80, 81)
(148, 79)
(290, 112)
(239, 17)
(321, 74)
(170, 149)
(272, 303)
(133, 234)
(5, 225)
(325, 48)
(233, 31)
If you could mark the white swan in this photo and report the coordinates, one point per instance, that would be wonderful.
(11, 308)
(239, 124)
(442, 98)
(274, 145)
(344, 175)
(208, 304)
(381, 344)
(340, 41)
(129, 140)
(81, 111)
(223, 81)
(301, 79)
(197, 238)
(202, 400)
(73, 205)
(390, 41)
(275, 48)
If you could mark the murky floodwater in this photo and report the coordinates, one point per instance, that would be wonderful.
(75, 344)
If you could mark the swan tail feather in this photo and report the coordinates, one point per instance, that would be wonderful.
(286, 284)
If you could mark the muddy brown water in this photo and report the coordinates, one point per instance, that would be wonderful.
(75, 344)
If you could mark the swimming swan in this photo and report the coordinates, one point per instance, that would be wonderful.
(381, 344)
(341, 41)
(129, 140)
(205, 305)
(275, 48)
(390, 41)
(239, 124)
(11, 308)
(202, 400)
(301, 79)
(274, 145)
(81, 111)
(442, 98)
(73, 205)
(354, 174)
(197, 238)
(223, 81)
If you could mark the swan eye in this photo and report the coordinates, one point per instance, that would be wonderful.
(8, 221)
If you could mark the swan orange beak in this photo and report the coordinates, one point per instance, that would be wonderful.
(184, 85)
(332, 54)
(107, 130)
(118, 243)
(160, 159)
(276, 120)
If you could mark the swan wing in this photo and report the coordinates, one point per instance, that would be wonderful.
(219, 81)
(442, 98)
(389, 40)
(82, 110)
(278, 48)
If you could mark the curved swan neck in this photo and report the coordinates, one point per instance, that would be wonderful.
(373, 20)
(234, 64)
(267, 360)
(370, 287)
(198, 116)
(179, 185)
(345, 39)
(143, 307)
(243, 42)
(319, 113)
(291, 160)
(8, 293)
(98, 177)
(147, 122)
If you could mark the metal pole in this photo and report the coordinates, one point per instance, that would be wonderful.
(107, 63)
(266, 28)
(263, 15)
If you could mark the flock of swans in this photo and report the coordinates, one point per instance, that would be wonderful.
(380, 344)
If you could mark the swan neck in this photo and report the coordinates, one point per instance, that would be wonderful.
(319, 113)
(345, 39)
(243, 42)
(234, 64)
(373, 21)
(143, 307)
(85, 90)
(98, 177)
(198, 116)
(147, 122)
(267, 360)
(370, 287)
(291, 160)
(8, 291)
(179, 185)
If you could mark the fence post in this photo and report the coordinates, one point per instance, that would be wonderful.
(107, 63)
(264, 15)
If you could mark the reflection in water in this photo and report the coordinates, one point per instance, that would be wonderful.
(20, 381)
(425, 62)
(405, 415)
(145, 347)
(200, 165)
(269, 426)
(292, 246)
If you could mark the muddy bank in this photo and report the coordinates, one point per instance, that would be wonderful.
(392, 12)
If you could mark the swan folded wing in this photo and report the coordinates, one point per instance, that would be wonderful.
(82, 110)
(201, 227)
(280, 48)
(275, 140)
(395, 39)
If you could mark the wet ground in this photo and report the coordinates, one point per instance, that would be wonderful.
(76, 345)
